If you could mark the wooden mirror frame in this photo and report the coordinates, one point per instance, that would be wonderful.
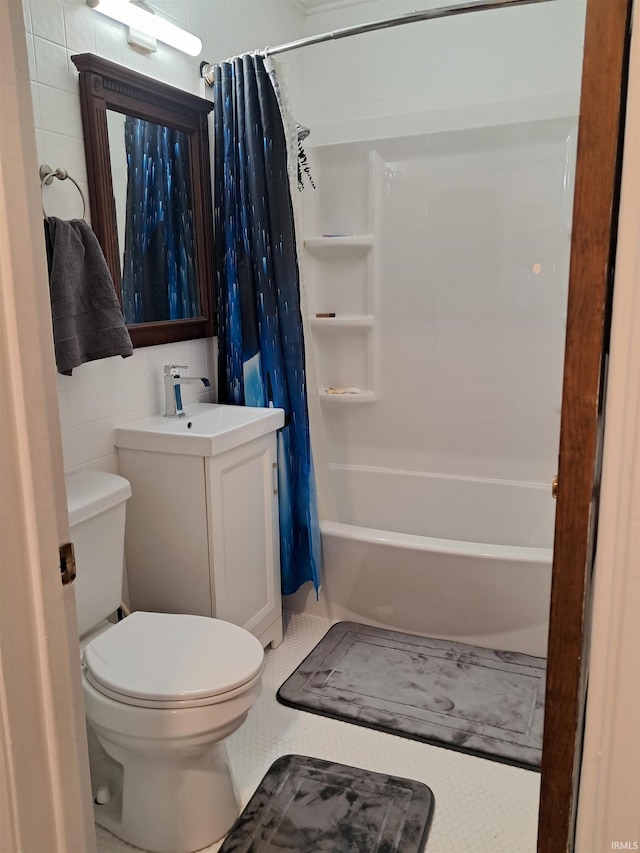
(106, 86)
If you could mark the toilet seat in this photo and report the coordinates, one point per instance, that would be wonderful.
(170, 660)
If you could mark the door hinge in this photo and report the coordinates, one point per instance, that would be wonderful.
(554, 487)
(67, 563)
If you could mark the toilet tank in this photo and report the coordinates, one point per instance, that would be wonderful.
(97, 503)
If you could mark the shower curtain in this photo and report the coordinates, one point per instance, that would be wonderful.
(260, 340)
(159, 280)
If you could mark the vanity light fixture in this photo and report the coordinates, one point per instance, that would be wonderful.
(139, 19)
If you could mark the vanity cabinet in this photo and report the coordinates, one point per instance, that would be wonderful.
(202, 535)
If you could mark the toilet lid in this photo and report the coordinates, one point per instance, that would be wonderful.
(169, 657)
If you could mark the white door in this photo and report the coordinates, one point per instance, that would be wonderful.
(45, 804)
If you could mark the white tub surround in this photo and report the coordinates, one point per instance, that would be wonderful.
(437, 264)
(478, 572)
(437, 270)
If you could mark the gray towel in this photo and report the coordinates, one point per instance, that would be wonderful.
(87, 317)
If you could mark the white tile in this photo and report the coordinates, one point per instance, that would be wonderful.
(481, 806)
(212, 362)
(488, 93)
(435, 100)
(175, 353)
(174, 10)
(436, 77)
(60, 112)
(491, 65)
(26, 11)
(153, 357)
(134, 394)
(463, 96)
(133, 415)
(386, 83)
(35, 103)
(85, 443)
(385, 106)
(63, 408)
(215, 15)
(551, 59)
(139, 60)
(520, 56)
(31, 56)
(214, 51)
(136, 365)
(110, 39)
(79, 21)
(83, 405)
(197, 17)
(196, 85)
(349, 62)
(316, 92)
(52, 67)
(462, 69)
(545, 84)
(197, 357)
(47, 20)
(62, 150)
(172, 67)
(520, 86)
(336, 92)
(108, 463)
(155, 393)
(314, 117)
(40, 145)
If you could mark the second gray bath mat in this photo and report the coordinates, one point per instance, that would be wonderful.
(305, 805)
(485, 702)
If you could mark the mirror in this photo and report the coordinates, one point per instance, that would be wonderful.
(147, 152)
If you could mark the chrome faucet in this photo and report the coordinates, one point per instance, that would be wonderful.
(172, 382)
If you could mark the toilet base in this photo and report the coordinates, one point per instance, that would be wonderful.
(164, 806)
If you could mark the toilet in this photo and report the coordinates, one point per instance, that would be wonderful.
(162, 691)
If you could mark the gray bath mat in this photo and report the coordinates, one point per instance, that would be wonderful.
(485, 702)
(307, 805)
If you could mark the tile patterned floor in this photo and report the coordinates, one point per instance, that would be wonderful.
(480, 806)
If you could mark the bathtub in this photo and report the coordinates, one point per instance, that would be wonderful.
(460, 558)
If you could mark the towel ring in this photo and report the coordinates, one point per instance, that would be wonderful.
(47, 174)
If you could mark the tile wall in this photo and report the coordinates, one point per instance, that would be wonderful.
(101, 394)
(476, 58)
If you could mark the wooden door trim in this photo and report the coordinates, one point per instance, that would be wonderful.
(588, 318)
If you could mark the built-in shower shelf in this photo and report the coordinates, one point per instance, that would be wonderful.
(355, 242)
(343, 321)
(348, 398)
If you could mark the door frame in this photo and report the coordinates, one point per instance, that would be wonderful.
(608, 799)
(595, 218)
(45, 792)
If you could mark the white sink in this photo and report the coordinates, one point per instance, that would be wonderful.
(207, 429)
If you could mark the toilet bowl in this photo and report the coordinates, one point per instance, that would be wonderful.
(162, 691)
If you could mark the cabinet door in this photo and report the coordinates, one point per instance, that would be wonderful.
(166, 541)
(243, 535)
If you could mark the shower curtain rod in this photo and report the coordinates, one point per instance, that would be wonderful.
(206, 69)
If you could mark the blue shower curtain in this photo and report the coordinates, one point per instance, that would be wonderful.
(261, 346)
(159, 279)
